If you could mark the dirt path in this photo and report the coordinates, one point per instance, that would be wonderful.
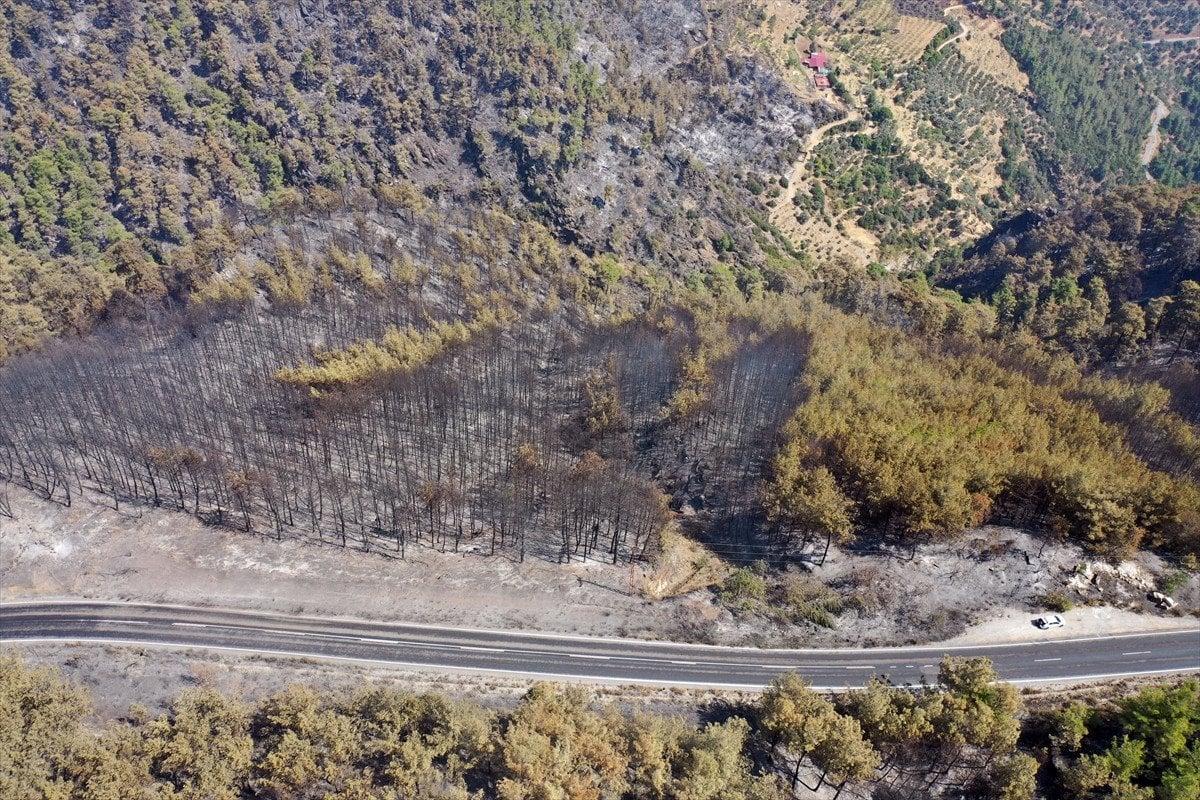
(1172, 40)
(852, 237)
(965, 30)
(1154, 138)
(814, 139)
(953, 39)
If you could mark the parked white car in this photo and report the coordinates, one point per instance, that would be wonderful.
(1049, 621)
(1162, 601)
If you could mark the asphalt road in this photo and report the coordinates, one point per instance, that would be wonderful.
(1041, 660)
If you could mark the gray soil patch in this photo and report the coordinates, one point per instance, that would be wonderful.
(993, 576)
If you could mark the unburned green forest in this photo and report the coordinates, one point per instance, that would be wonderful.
(966, 733)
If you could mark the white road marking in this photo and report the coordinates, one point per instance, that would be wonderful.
(481, 649)
(869, 666)
(939, 649)
(375, 641)
(753, 687)
(1102, 676)
(431, 645)
(1040, 660)
(684, 663)
(584, 655)
(1137, 653)
(597, 678)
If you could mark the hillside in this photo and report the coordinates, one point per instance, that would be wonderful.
(1140, 54)
(584, 281)
(673, 139)
(1125, 256)
(960, 115)
(152, 146)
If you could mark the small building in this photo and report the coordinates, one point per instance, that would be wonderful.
(821, 81)
(817, 61)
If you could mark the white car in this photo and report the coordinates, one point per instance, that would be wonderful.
(1049, 621)
(1162, 601)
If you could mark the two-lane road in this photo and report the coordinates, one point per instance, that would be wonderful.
(582, 658)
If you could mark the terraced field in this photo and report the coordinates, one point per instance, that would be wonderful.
(904, 44)
(786, 31)
(959, 127)
(983, 50)
(958, 110)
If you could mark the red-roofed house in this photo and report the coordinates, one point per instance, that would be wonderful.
(817, 60)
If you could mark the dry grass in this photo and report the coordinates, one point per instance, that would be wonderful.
(818, 234)
(940, 160)
(911, 37)
(875, 16)
(902, 44)
(983, 49)
(684, 566)
(858, 31)
(783, 17)
(824, 241)
(876, 31)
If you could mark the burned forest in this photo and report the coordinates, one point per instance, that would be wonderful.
(539, 436)
(509, 276)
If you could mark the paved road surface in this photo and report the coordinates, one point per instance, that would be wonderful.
(566, 657)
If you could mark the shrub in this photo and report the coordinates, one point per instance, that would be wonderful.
(809, 600)
(743, 588)
(1057, 601)
(1174, 582)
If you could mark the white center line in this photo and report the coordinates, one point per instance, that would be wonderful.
(480, 649)
(375, 641)
(1039, 660)
(684, 663)
(868, 666)
(189, 624)
(582, 655)
(1137, 653)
